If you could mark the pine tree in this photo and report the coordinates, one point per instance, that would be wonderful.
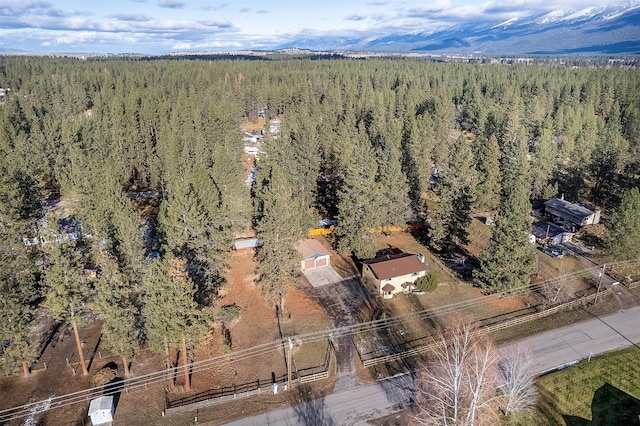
(66, 290)
(515, 164)
(457, 193)
(18, 289)
(279, 228)
(606, 160)
(409, 161)
(488, 166)
(359, 202)
(507, 262)
(115, 303)
(577, 171)
(302, 160)
(234, 209)
(545, 156)
(395, 203)
(173, 319)
(191, 227)
(623, 238)
(19, 211)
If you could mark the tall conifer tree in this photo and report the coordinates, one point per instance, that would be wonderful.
(279, 227)
(623, 239)
(173, 319)
(488, 165)
(457, 193)
(359, 202)
(66, 290)
(507, 262)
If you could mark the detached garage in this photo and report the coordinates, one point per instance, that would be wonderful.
(314, 255)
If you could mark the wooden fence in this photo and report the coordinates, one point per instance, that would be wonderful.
(227, 393)
(244, 390)
(487, 329)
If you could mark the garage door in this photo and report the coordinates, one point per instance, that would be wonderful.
(321, 262)
(309, 264)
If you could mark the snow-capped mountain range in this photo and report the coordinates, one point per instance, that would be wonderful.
(613, 30)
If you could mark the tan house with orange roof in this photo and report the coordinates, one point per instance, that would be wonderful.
(394, 273)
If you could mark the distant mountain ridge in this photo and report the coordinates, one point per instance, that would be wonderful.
(613, 30)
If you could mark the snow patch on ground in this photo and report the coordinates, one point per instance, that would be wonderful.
(36, 409)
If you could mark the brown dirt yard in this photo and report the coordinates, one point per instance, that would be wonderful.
(257, 324)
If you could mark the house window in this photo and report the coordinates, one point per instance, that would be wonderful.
(415, 274)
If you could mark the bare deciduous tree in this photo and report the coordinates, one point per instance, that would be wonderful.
(459, 387)
(559, 290)
(517, 390)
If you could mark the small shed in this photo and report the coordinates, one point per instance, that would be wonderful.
(101, 410)
(274, 126)
(246, 244)
(314, 255)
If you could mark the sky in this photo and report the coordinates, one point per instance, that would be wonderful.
(166, 26)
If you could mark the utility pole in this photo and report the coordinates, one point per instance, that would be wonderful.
(600, 274)
(289, 363)
(546, 238)
(78, 343)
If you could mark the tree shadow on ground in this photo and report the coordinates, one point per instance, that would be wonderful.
(310, 408)
(400, 390)
(456, 258)
(115, 388)
(610, 406)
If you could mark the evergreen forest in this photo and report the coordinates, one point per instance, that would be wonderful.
(147, 157)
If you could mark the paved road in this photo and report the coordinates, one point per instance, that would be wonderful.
(554, 348)
(347, 408)
(578, 341)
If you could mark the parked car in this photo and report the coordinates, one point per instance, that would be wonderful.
(554, 252)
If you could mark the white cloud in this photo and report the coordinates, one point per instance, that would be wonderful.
(165, 25)
(172, 4)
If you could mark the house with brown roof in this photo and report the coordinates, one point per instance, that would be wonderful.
(394, 273)
(314, 255)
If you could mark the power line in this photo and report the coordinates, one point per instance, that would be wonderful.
(218, 361)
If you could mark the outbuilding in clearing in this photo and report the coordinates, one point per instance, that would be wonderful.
(314, 255)
(101, 411)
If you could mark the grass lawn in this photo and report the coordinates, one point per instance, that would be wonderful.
(606, 305)
(602, 391)
(635, 291)
(479, 236)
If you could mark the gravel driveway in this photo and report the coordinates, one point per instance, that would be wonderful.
(322, 276)
(342, 301)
